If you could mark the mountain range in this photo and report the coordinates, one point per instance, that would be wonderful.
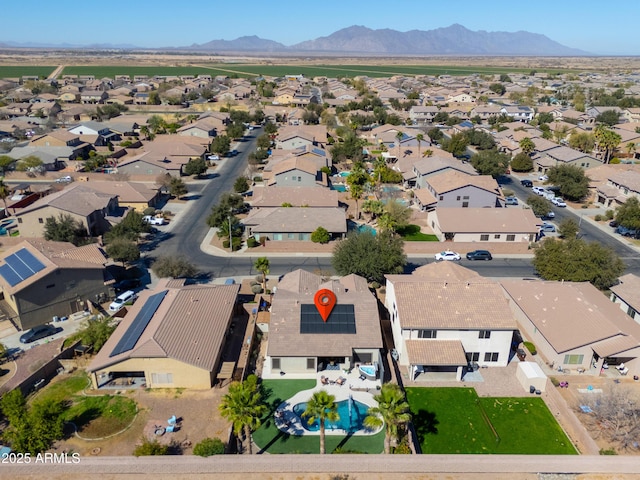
(358, 40)
(452, 40)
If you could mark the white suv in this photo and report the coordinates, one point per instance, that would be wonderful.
(121, 300)
(151, 220)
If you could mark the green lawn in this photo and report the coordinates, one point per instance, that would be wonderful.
(272, 440)
(450, 421)
(13, 71)
(95, 416)
(412, 233)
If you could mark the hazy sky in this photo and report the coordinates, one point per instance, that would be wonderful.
(596, 27)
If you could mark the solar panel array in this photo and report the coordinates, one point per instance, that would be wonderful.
(139, 324)
(341, 320)
(19, 266)
(319, 151)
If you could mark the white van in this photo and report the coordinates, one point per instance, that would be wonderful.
(121, 300)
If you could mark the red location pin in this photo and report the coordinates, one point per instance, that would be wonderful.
(325, 300)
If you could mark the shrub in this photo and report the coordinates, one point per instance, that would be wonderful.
(402, 449)
(608, 451)
(254, 282)
(508, 193)
(255, 289)
(382, 290)
(554, 381)
(258, 278)
(237, 242)
(598, 218)
(320, 235)
(374, 285)
(610, 214)
(614, 161)
(531, 347)
(252, 242)
(208, 447)
(150, 448)
(585, 206)
(149, 211)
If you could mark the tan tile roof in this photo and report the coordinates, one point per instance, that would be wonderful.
(189, 325)
(446, 271)
(435, 352)
(299, 287)
(78, 198)
(629, 290)
(487, 220)
(424, 196)
(295, 163)
(274, 196)
(438, 162)
(296, 220)
(629, 179)
(453, 180)
(571, 314)
(127, 191)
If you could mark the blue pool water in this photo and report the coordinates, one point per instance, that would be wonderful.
(391, 189)
(344, 174)
(350, 423)
(339, 188)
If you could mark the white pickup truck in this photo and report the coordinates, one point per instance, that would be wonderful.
(153, 220)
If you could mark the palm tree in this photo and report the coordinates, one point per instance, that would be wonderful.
(321, 406)
(399, 137)
(608, 141)
(527, 146)
(419, 138)
(631, 149)
(262, 265)
(243, 407)
(4, 193)
(392, 411)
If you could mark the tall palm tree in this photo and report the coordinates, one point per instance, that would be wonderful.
(608, 141)
(4, 193)
(419, 138)
(322, 407)
(631, 149)
(399, 137)
(262, 265)
(527, 146)
(243, 407)
(392, 411)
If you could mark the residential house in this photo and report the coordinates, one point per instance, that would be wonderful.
(562, 155)
(574, 326)
(131, 195)
(446, 318)
(277, 196)
(631, 114)
(423, 115)
(290, 138)
(620, 186)
(627, 294)
(294, 224)
(91, 208)
(485, 112)
(298, 172)
(206, 127)
(454, 189)
(153, 344)
(484, 224)
(93, 96)
(520, 113)
(301, 342)
(40, 280)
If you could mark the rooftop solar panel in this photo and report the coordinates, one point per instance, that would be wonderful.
(30, 260)
(318, 151)
(139, 324)
(9, 275)
(18, 266)
(341, 320)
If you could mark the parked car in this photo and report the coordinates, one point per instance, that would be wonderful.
(65, 179)
(151, 220)
(548, 216)
(543, 178)
(479, 255)
(626, 232)
(39, 332)
(547, 227)
(558, 202)
(447, 255)
(526, 183)
(121, 300)
(126, 284)
(511, 201)
(613, 223)
(538, 190)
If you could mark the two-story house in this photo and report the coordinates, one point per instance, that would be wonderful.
(455, 189)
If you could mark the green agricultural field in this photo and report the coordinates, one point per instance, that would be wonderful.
(111, 71)
(17, 71)
(456, 420)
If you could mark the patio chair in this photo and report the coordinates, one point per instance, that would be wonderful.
(341, 381)
(324, 380)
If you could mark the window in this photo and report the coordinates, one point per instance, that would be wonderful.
(458, 198)
(19, 219)
(275, 364)
(491, 357)
(427, 333)
(441, 197)
(511, 238)
(466, 197)
(496, 237)
(473, 356)
(484, 238)
(484, 334)
(311, 363)
(465, 204)
(573, 359)
(51, 285)
(161, 378)
(40, 220)
(299, 179)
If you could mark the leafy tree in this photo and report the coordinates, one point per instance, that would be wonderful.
(395, 216)
(195, 166)
(235, 130)
(30, 163)
(262, 265)
(456, 145)
(123, 250)
(628, 214)
(607, 140)
(568, 228)
(96, 332)
(582, 141)
(244, 407)
(321, 407)
(505, 78)
(575, 260)
(208, 447)
(270, 128)
(229, 202)
(497, 88)
(608, 117)
(320, 235)
(3, 352)
(480, 139)
(490, 162)
(220, 145)
(374, 207)
(177, 187)
(571, 179)
(5, 162)
(540, 205)
(150, 448)
(154, 98)
(370, 256)
(349, 148)
(522, 163)
(435, 134)
(129, 228)
(64, 229)
(263, 142)
(527, 146)
(241, 184)
(545, 117)
(392, 411)
(440, 117)
(173, 267)
(157, 124)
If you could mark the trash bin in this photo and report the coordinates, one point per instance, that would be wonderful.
(532, 389)
(521, 354)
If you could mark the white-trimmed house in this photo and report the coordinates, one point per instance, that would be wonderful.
(484, 224)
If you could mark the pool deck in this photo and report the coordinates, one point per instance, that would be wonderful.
(361, 390)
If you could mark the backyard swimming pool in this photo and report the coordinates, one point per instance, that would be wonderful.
(352, 414)
(339, 188)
